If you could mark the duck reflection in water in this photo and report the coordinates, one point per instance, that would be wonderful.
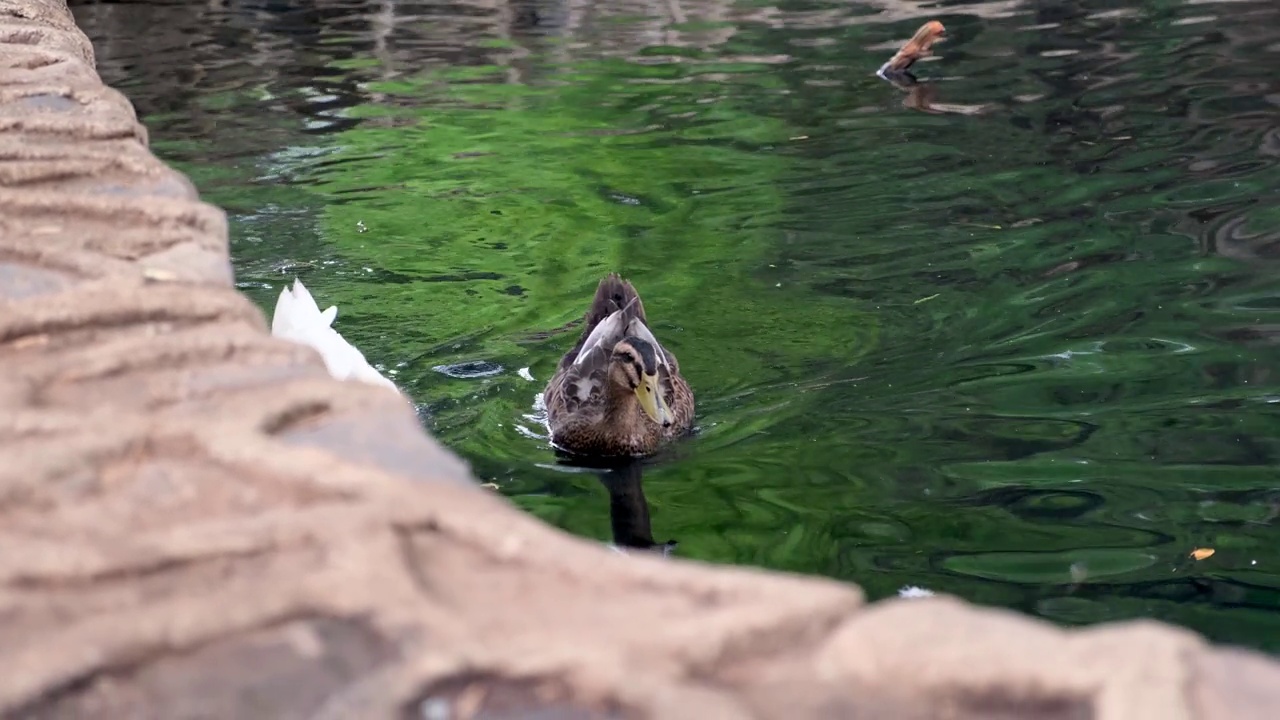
(921, 96)
(628, 508)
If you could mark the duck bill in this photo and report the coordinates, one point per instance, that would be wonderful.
(652, 402)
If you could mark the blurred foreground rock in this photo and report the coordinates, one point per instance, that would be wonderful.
(196, 522)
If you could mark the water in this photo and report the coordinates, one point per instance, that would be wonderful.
(1021, 349)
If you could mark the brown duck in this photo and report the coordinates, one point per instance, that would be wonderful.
(618, 392)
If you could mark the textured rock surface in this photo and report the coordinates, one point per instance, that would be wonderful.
(196, 522)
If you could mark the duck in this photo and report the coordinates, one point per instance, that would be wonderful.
(298, 318)
(618, 392)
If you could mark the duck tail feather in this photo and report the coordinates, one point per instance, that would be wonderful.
(614, 294)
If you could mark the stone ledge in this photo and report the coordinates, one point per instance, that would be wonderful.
(197, 521)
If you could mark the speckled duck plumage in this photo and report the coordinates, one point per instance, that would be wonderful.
(618, 392)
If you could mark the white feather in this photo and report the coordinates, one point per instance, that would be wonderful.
(605, 329)
(298, 318)
(611, 330)
(641, 331)
(585, 386)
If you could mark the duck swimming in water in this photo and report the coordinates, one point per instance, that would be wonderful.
(618, 392)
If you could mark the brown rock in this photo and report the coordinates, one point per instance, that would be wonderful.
(197, 522)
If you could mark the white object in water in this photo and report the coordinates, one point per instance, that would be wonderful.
(298, 318)
(912, 591)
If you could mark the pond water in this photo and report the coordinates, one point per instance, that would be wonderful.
(1020, 347)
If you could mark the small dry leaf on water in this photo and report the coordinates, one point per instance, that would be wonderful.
(920, 45)
(1202, 553)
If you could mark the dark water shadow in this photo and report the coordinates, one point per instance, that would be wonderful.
(628, 506)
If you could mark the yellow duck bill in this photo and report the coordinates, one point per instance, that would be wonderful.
(652, 402)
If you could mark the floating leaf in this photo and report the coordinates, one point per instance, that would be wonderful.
(1202, 553)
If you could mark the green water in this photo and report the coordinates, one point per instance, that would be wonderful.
(1024, 353)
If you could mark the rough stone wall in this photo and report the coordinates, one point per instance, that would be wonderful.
(196, 522)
